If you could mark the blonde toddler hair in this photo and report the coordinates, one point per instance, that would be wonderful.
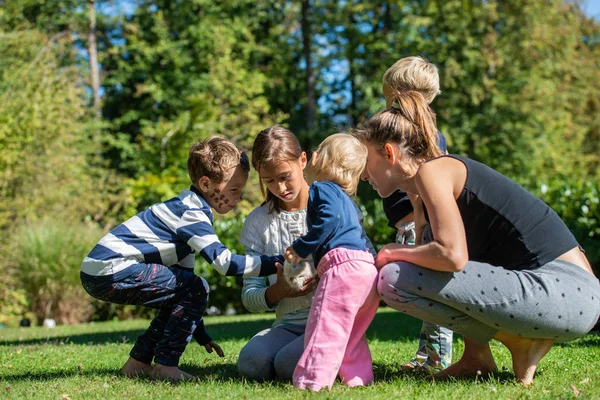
(214, 158)
(341, 159)
(414, 73)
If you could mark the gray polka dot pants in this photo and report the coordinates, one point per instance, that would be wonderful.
(557, 301)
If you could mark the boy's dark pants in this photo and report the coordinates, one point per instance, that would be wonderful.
(179, 295)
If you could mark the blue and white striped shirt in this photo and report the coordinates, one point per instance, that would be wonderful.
(171, 233)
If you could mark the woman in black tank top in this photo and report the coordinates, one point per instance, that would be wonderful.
(499, 263)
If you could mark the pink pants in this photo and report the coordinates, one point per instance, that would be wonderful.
(344, 305)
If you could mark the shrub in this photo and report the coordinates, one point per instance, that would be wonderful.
(47, 256)
(13, 301)
(105, 311)
(578, 204)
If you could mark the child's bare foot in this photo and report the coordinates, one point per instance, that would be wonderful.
(134, 368)
(526, 354)
(477, 360)
(173, 374)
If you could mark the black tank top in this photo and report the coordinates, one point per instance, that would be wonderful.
(505, 225)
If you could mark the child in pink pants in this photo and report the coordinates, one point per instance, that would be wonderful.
(346, 298)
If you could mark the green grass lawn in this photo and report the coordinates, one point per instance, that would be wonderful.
(83, 362)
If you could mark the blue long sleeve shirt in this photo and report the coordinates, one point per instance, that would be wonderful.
(332, 223)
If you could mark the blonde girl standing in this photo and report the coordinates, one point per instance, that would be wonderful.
(346, 298)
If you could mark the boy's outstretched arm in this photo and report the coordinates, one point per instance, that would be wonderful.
(196, 229)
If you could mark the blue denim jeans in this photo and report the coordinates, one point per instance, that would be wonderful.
(179, 295)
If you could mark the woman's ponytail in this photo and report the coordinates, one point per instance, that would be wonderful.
(409, 122)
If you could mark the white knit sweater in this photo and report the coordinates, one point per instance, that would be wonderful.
(272, 234)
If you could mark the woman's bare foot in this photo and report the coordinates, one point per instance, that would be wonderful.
(526, 354)
(134, 368)
(477, 360)
(173, 374)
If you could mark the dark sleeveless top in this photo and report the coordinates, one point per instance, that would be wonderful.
(505, 225)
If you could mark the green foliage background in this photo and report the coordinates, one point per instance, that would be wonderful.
(520, 92)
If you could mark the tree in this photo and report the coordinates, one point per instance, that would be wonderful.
(310, 77)
(183, 72)
(93, 54)
(46, 160)
(512, 86)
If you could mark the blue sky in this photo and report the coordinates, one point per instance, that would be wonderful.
(592, 8)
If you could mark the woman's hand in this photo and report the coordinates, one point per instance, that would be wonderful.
(390, 253)
(212, 345)
(382, 257)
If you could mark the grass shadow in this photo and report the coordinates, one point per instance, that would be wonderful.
(122, 336)
(54, 375)
(223, 372)
(503, 377)
(387, 326)
(226, 371)
(388, 372)
(394, 326)
(219, 331)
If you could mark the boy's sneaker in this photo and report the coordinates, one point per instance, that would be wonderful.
(416, 366)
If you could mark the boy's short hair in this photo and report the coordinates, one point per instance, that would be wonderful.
(342, 158)
(214, 158)
(414, 73)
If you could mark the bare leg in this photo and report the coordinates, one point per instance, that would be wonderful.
(170, 373)
(476, 360)
(526, 354)
(134, 368)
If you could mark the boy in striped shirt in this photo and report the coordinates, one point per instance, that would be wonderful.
(148, 260)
